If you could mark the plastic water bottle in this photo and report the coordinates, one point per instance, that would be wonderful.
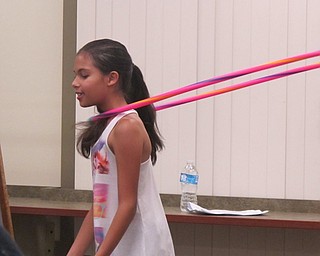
(189, 184)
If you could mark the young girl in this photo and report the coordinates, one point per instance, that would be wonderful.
(127, 217)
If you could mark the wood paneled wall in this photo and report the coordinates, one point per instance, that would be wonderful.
(262, 141)
(212, 240)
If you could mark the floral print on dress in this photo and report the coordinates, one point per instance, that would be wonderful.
(100, 198)
(99, 236)
(100, 163)
(100, 170)
(100, 192)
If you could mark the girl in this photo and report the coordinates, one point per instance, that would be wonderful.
(127, 217)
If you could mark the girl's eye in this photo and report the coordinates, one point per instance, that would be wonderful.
(84, 75)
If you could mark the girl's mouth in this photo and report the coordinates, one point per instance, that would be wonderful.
(79, 95)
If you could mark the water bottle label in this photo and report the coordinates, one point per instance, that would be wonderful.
(189, 178)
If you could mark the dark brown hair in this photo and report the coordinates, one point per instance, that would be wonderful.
(108, 55)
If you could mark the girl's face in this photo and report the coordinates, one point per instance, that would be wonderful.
(91, 86)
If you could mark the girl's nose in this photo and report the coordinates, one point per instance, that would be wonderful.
(74, 83)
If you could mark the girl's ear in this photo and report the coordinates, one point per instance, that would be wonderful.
(112, 78)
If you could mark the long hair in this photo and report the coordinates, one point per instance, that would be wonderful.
(108, 55)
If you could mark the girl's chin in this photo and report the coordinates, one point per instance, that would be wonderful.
(85, 105)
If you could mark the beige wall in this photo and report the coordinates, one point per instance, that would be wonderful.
(31, 85)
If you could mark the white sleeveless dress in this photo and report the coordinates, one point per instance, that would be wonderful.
(148, 234)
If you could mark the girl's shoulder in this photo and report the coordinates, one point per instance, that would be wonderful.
(130, 136)
(128, 127)
(128, 122)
